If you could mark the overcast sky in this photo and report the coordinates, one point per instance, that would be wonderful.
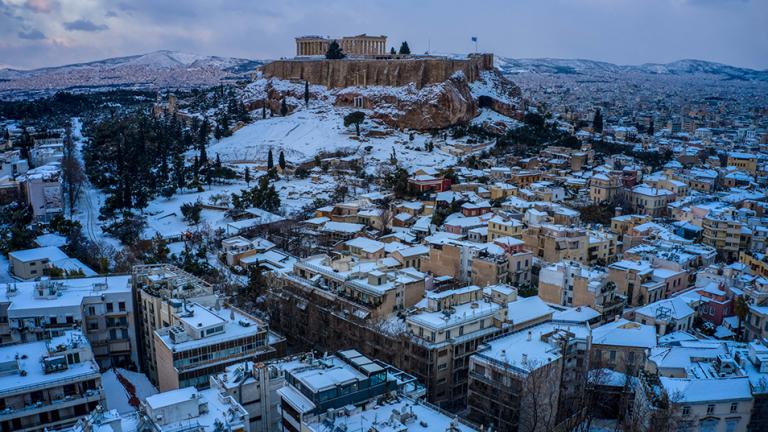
(36, 33)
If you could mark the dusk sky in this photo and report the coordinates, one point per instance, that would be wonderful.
(36, 33)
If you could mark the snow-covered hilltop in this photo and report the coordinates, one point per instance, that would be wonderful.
(159, 69)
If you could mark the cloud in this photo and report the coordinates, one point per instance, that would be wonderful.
(31, 35)
(84, 25)
(39, 6)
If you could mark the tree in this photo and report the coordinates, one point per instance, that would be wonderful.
(392, 51)
(247, 176)
(306, 93)
(72, 171)
(264, 110)
(597, 122)
(404, 48)
(281, 161)
(741, 309)
(334, 51)
(283, 108)
(651, 129)
(355, 118)
(539, 394)
(270, 161)
(191, 212)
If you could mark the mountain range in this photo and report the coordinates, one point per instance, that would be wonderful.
(172, 69)
(593, 67)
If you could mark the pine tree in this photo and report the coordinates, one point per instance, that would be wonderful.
(404, 48)
(203, 155)
(247, 176)
(202, 133)
(270, 161)
(283, 108)
(334, 51)
(306, 93)
(597, 122)
(281, 161)
(354, 118)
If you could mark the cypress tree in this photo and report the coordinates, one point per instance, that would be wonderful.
(281, 161)
(270, 161)
(334, 51)
(264, 110)
(597, 122)
(404, 48)
(203, 155)
(247, 176)
(306, 93)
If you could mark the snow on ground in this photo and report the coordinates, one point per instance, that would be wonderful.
(307, 132)
(91, 200)
(117, 396)
(164, 215)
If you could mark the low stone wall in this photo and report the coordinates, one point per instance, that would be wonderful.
(378, 72)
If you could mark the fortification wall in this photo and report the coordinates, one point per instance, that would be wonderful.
(378, 72)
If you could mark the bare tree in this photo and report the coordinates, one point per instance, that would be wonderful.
(72, 171)
(540, 395)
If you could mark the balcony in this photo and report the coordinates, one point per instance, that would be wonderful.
(41, 407)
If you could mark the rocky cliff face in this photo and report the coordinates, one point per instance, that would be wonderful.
(435, 106)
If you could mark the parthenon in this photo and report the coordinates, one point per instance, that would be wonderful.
(360, 45)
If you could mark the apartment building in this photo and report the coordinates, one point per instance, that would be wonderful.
(569, 283)
(318, 386)
(189, 409)
(743, 161)
(756, 262)
(555, 243)
(648, 200)
(447, 331)
(202, 341)
(622, 346)
(503, 261)
(101, 307)
(500, 227)
(667, 316)
(363, 283)
(159, 292)
(48, 384)
(604, 188)
(254, 386)
(640, 282)
(528, 380)
(726, 233)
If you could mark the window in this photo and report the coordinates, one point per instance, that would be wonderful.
(110, 307)
(686, 411)
(734, 407)
(710, 409)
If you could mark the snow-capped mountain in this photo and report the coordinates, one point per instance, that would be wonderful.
(592, 67)
(157, 69)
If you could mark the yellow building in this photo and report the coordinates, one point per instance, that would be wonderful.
(743, 161)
